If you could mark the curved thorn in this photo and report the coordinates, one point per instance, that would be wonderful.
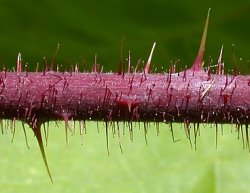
(197, 65)
(146, 69)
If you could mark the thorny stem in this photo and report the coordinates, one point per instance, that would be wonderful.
(198, 98)
(191, 96)
(194, 96)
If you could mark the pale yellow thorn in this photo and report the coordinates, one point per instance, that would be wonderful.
(19, 63)
(146, 69)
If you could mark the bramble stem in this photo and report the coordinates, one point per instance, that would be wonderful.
(173, 97)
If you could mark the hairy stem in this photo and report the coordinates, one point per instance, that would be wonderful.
(193, 96)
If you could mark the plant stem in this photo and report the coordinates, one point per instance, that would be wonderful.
(193, 96)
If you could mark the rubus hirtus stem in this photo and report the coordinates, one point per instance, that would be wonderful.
(194, 95)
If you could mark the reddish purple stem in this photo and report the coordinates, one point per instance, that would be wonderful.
(196, 96)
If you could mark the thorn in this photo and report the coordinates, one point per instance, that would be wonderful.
(220, 67)
(37, 66)
(138, 62)
(54, 57)
(129, 106)
(46, 132)
(81, 128)
(37, 132)
(130, 129)
(196, 130)
(14, 129)
(146, 69)
(107, 137)
(145, 133)
(25, 135)
(172, 132)
(77, 68)
(242, 135)
(197, 65)
(216, 135)
(19, 63)
(66, 122)
(119, 136)
(187, 131)
(94, 67)
(1, 123)
(129, 62)
(247, 138)
(45, 65)
(157, 128)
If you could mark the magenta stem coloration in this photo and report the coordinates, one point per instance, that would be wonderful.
(194, 95)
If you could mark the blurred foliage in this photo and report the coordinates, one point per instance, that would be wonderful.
(84, 28)
(161, 166)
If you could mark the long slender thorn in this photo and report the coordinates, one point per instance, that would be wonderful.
(37, 132)
(66, 123)
(107, 137)
(197, 65)
(25, 135)
(129, 62)
(94, 67)
(146, 69)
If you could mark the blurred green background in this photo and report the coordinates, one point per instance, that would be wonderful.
(84, 28)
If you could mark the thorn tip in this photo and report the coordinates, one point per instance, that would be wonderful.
(146, 69)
